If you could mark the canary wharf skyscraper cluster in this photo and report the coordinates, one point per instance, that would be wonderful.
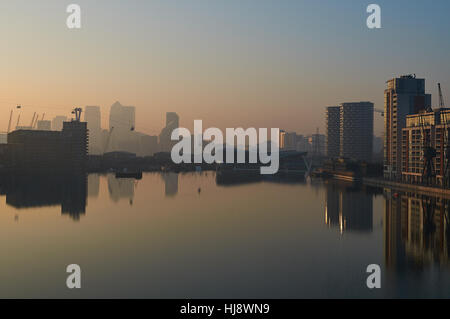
(122, 135)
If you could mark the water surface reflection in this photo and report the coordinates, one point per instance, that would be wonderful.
(197, 235)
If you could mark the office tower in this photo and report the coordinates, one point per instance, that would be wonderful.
(172, 123)
(148, 145)
(290, 141)
(122, 125)
(356, 130)
(302, 144)
(282, 139)
(57, 123)
(92, 116)
(317, 144)
(122, 117)
(44, 125)
(404, 95)
(333, 137)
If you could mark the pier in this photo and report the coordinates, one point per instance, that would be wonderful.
(422, 189)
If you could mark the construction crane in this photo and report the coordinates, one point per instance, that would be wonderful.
(32, 120)
(429, 153)
(9, 123)
(18, 121)
(35, 121)
(77, 111)
(441, 98)
(446, 147)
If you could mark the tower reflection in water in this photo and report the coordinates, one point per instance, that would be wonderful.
(124, 188)
(171, 183)
(416, 231)
(349, 207)
(68, 191)
(121, 188)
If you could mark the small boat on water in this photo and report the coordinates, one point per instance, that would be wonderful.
(129, 174)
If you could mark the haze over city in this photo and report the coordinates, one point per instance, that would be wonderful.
(229, 63)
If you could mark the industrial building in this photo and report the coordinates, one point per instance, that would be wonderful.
(404, 95)
(39, 151)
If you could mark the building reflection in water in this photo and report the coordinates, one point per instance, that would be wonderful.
(171, 183)
(121, 188)
(93, 185)
(67, 191)
(348, 207)
(416, 231)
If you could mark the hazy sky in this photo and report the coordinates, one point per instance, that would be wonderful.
(251, 63)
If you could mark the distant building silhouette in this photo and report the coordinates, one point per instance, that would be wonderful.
(44, 125)
(57, 123)
(148, 145)
(317, 142)
(172, 123)
(122, 126)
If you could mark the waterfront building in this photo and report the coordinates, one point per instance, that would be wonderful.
(404, 95)
(425, 129)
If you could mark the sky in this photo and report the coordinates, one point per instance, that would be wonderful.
(230, 63)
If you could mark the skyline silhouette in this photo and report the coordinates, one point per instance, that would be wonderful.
(267, 66)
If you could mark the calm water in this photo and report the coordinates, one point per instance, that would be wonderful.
(185, 236)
